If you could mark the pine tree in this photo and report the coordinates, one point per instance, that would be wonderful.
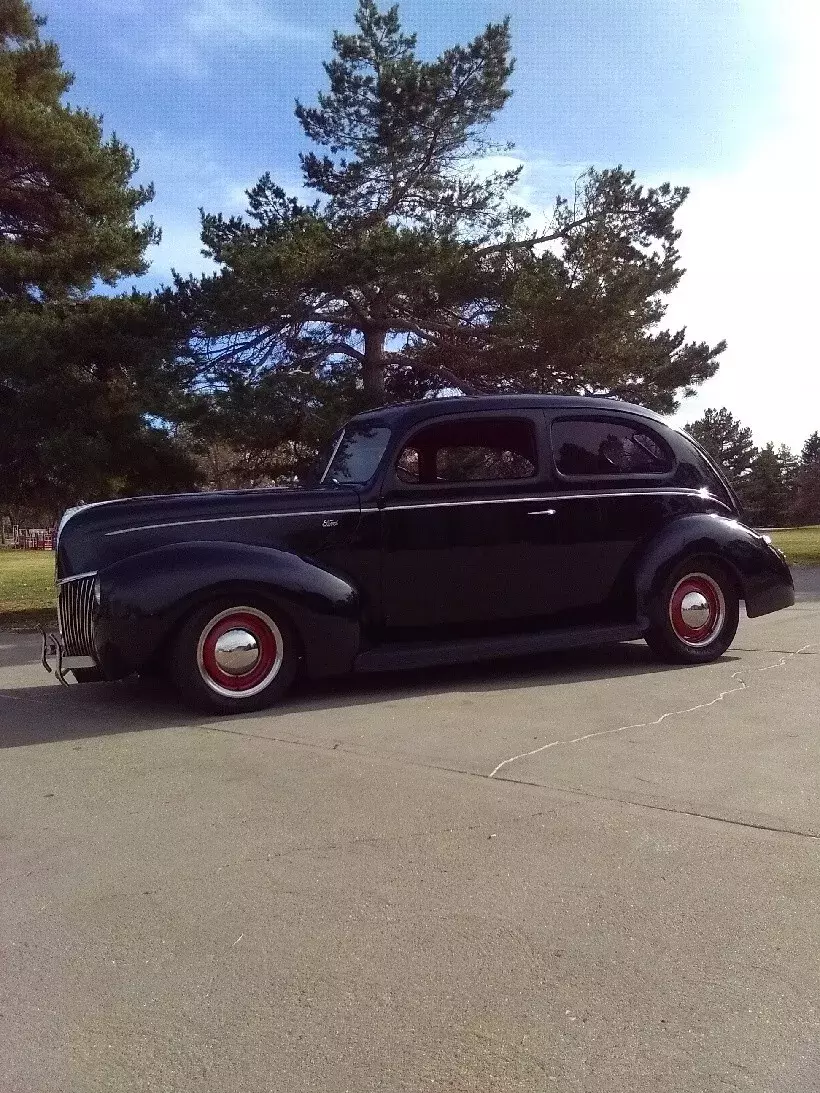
(414, 271)
(765, 493)
(83, 378)
(811, 450)
(788, 472)
(806, 506)
(85, 411)
(728, 442)
(67, 206)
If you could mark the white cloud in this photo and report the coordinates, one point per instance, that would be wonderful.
(196, 31)
(188, 177)
(750, 243)
(179, 250)
(540, 182)
(242, 20)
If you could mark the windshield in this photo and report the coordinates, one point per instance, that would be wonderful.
(357, 455)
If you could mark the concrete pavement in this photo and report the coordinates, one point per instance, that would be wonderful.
(589, 873)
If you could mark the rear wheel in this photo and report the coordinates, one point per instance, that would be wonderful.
(695, 616)
(231, 657)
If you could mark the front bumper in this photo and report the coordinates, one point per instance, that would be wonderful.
(71, 649)
(54, 649)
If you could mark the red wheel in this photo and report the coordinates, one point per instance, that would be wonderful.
(694, 616)
(697, 609)
(232, 657)
(240, 652)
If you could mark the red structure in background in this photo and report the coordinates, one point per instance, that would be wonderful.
(33, 538)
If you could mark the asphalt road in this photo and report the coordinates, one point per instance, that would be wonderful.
(587, 873)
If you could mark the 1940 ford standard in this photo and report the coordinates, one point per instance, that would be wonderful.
(439, 531)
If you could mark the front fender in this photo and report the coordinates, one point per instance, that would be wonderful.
(763, 576)
(144, 597)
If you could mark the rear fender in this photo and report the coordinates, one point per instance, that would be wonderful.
(764, 580)
(144, 598)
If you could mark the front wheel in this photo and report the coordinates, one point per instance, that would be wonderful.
(695, 616)
(230, 657)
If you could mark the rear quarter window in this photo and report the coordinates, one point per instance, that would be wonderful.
(588, 446)
(709, 473)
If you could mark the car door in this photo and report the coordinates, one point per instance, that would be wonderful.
(470, 535)
(630, 470)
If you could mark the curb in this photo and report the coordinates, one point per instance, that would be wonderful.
(28, 621)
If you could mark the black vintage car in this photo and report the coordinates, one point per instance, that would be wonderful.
(438, 531)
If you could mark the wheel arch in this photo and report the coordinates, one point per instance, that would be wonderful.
(757, 574)
(246, 593)
(145, 600)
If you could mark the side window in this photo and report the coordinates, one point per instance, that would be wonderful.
(599, 447)
(470, 450)
(407, 465)
(357, 454)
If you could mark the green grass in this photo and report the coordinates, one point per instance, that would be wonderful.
(27, 592)
(800, 545)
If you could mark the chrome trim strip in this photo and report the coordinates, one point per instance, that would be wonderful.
(227, 519)
(63, 521)
(682, 491)
(597, 494)
(71, 512)
(77, 577)
(336, 447)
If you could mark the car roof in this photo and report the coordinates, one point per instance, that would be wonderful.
(423, 409)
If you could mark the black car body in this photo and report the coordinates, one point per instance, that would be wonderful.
(441, 530)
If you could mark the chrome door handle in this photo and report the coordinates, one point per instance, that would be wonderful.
(542, 512)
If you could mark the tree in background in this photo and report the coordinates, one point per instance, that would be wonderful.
(728, 442)
(80, 376)
(78, 409)
(414, 270)
(789, 465)
(765, 490)
(806, 503)
(67, 206)
(811, 450)
(774, 487)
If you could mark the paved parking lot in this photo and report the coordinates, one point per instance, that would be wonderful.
(589, 873)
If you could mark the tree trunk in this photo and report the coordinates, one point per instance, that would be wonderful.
(373, 367)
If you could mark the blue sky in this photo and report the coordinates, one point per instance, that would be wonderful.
(716, 94)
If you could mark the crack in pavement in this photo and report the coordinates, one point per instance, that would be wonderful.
(716, 817)
(569, 791)
(348, 749)
(741, 686)
(313, 745)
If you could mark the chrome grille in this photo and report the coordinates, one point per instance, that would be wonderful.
(74, 605)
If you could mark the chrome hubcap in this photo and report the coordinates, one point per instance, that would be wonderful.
(240, 652)
(237, 652)
(695, 610)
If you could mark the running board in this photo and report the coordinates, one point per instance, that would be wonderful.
(426, 654)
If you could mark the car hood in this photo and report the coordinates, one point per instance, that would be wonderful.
(93, 536)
